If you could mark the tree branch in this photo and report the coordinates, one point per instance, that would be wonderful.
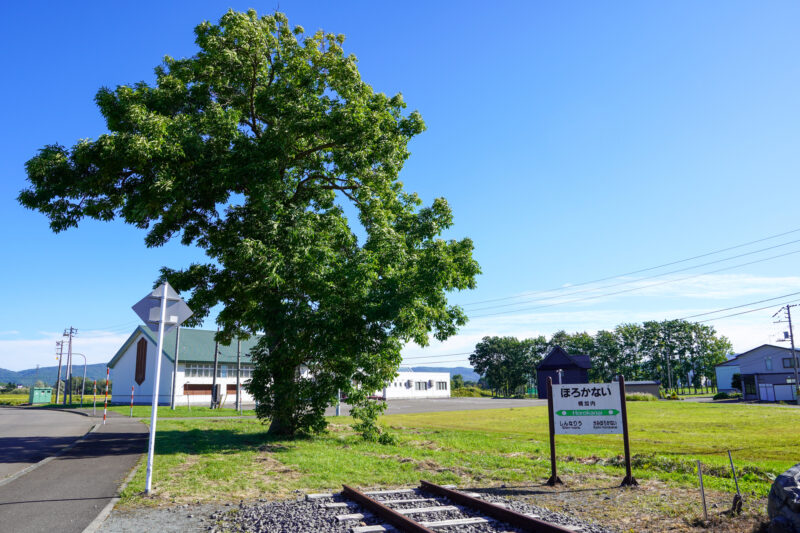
(310, 151)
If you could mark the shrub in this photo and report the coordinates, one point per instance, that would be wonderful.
(640, 397)
(471, 392)
(727, 396)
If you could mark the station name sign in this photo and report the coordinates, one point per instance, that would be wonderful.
(591, 408)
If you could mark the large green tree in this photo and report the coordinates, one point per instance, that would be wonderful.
(507, 363)
(253, 150)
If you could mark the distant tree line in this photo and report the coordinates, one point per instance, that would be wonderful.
(670, 351)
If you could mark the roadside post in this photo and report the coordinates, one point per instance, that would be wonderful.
(584, 409)
(702, 490)
(131, 415)
(105, 405)
(161, 310)
(94, 399)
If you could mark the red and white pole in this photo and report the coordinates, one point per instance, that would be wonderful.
(131, 401)
(105, 406)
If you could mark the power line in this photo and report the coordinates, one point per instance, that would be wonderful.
(434, 356)
(742, 312)
(636, 288)
(527, 293)
(628, 282)
(437, 362)
(740, 306)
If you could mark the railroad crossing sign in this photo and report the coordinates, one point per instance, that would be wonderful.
(161, 310)
(149, 308)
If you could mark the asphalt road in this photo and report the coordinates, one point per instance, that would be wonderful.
(27, 436)
(396, 407)
(68, 492)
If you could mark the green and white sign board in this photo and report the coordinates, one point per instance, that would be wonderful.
(587, 408)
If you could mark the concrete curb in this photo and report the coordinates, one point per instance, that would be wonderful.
(9, 479)
(95, 524)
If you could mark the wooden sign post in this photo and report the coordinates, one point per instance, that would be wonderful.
(554, 479)
(588, 408)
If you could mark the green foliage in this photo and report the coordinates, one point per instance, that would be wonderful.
(365, 413)
(470, 392)
(456, 382)
(727, 396)
(653, 351)
(640, 397)
(507, 363)
(252, 150)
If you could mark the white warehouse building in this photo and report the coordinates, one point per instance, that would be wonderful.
(133, 367)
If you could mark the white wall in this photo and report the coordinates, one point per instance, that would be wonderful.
(123, 377)
(724, 377)
(205, 399)
(399, 388)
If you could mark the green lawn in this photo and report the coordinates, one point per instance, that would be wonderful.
(144, 411)
(203, 459)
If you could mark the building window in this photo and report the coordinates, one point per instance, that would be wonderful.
(197, 389)
(421, 385)
(787, 362)
(441, 385)
(141, 361)
(768, 363)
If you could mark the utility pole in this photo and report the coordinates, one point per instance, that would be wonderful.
(788, 309)
(69, 333)
(238, 375)
(175, 370)
(214, 398)
(60, 349)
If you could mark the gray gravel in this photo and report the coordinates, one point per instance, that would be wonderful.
(311, 516)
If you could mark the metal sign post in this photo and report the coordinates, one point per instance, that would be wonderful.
(162, 307)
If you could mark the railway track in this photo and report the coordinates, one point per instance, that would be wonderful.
(431, 508)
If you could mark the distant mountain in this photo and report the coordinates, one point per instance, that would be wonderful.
(48, 374)
(467, 373)
(9, 376)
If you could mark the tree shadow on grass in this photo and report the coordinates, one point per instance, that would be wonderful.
(222, 441)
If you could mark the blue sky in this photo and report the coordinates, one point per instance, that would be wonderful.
(574, 141)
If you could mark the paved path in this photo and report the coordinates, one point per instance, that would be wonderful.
(27, 436)
(397, 407)
(67, 493)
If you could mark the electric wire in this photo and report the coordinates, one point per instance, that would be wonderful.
(740, 306)
(742, 312)
(527, 293)
(628, 282)
(594, 297)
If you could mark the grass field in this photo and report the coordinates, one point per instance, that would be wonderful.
(144, 411)
(13, 399)
(206, 459)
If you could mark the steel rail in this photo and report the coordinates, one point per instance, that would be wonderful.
(401, 522)
(526, 523)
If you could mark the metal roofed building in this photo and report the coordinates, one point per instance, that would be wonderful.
(134, 366)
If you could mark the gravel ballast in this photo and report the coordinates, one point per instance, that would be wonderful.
(302, 516)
